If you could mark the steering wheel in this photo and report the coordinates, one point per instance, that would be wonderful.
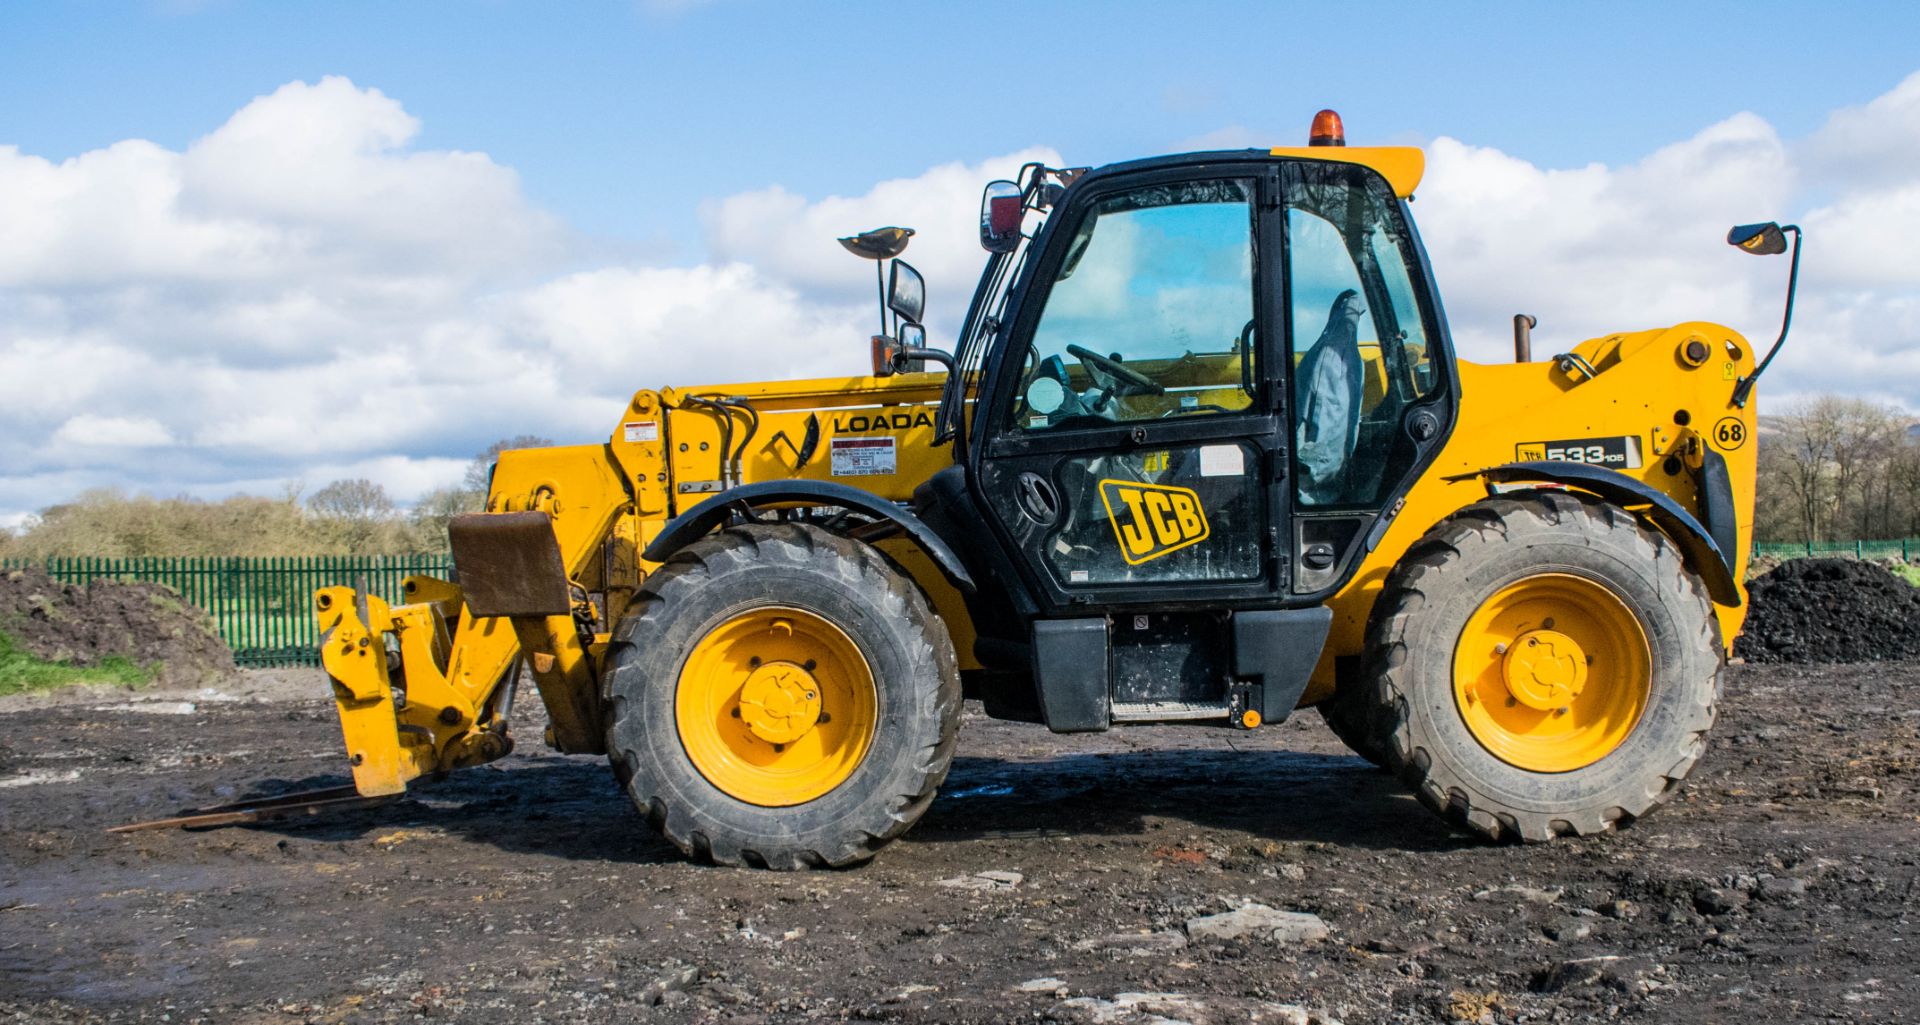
(1116, 371)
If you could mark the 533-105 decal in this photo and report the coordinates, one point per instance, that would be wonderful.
(1616, 453)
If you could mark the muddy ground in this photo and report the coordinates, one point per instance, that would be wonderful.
(1779, 888)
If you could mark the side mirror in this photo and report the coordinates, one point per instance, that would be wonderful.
(1759, 239)
(1000, 216)
(891, 356)
(907, 293)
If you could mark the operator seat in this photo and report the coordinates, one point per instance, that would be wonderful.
(1328, 388)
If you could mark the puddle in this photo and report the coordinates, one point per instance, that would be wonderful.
(979, 790)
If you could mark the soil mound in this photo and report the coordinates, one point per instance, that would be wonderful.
(144, 623)
(1830, 610)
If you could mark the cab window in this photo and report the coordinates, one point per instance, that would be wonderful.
(1361, 350)
(1150, 316)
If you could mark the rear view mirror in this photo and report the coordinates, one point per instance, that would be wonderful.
(907, 293)
(1000, 215)
(890, 356)
(1758, 239)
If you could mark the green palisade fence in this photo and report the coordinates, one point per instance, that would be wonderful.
(1907, 548)
(263, 607)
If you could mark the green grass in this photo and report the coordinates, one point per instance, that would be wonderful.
(1907, 571)
(21, 672)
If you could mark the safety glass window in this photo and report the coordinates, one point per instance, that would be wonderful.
(1361, 350)
(1150, 316)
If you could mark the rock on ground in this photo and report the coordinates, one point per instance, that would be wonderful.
(1259, 922)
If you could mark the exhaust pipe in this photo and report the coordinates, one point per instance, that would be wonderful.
(1523, 326)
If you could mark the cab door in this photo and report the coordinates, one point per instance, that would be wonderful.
(1133, 449)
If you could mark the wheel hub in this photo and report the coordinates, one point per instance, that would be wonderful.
(1552, 672)
(776, 706)
(1545, 669)
(780, 702)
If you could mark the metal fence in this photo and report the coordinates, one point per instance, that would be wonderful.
(262, 607)
(1906, 548)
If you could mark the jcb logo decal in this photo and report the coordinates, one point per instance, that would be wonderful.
(1151, 520)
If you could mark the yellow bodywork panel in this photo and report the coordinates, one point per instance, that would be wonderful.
(1644, 387)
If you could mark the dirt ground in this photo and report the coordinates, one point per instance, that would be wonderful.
(1779, 887)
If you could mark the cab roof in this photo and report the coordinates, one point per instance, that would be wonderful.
(1401, 166)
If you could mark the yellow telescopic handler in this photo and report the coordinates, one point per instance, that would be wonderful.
(1201, 453)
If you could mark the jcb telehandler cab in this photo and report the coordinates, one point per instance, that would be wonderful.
(1202, 453)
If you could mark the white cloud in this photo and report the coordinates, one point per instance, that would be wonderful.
(304, 293)
(113, 431)
(794, 238)
(1599, 249)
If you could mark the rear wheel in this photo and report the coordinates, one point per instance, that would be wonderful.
(1543, 664)
(783, 698)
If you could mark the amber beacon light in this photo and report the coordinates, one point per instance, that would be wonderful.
(1327, 130)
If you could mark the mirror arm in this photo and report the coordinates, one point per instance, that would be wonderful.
(1745, 388)
(940, 356)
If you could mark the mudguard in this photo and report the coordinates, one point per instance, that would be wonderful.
(1709, 559)
(699, 521)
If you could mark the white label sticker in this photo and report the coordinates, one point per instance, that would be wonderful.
(862, 457)
(1221, 461)
(641, 430)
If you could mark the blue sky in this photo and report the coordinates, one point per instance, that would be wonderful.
(247, 247)
(620, 116)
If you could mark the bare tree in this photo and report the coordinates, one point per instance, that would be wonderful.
(353, 511)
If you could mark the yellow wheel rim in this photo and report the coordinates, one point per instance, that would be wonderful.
(1552, 673)
(776, 706)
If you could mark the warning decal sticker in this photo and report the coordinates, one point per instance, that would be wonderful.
(863, 457)
(640, 430)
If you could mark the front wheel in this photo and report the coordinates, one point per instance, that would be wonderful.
(782, 698)
(1542, 664)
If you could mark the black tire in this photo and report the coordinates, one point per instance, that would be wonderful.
(878, 607)
(1346, 715)
(1445, 577)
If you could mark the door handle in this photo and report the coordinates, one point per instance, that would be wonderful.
(1037, 498)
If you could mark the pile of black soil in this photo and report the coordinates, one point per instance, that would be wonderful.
(1830, 610)
(144, 623)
